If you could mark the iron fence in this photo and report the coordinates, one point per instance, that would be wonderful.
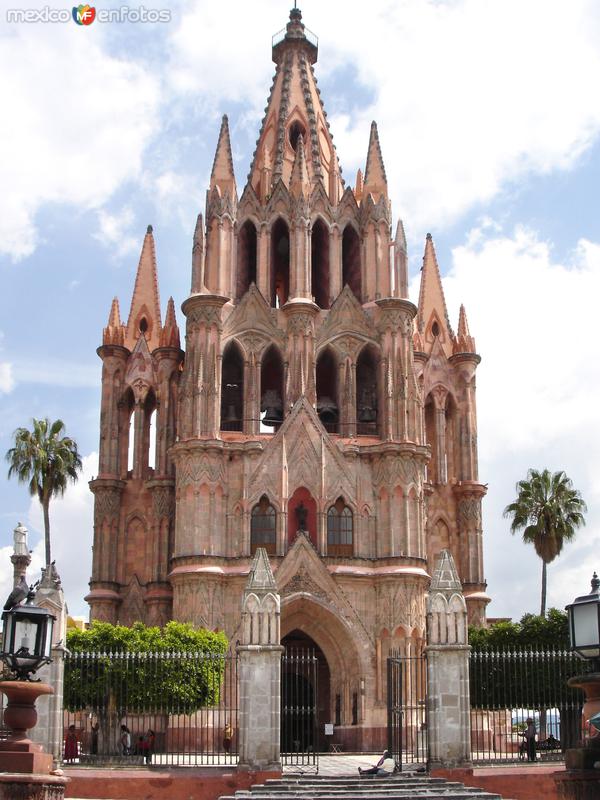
(162, 708)
(510, 686)
(407, 708)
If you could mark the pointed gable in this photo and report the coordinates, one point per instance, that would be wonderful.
(304, 451)
(140, 375)
(432, 315)
(253, 314)
(346, 316)
(144, 314)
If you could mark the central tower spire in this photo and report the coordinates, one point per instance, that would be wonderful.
(295, 110)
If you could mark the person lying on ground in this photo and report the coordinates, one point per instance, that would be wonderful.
(385, 766)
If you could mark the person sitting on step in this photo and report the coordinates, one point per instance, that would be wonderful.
(385, 766)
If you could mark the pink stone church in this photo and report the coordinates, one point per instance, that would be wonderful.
(315, 411)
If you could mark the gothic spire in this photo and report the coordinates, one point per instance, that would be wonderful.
(375, 181)
(294, 109)
(222, 174)
(144, 314)
(432, 315)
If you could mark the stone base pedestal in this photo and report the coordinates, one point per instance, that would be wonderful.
(24, 756)
(583, 757)
(31, 787)
(578, 784)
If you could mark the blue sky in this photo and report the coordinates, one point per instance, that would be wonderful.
(489, 121)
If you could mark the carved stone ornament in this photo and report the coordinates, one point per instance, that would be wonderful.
(207, 315)
(107, 504)
(195, 469)
(469, 512)
(391, 471)
(163, 502)
(303, 583)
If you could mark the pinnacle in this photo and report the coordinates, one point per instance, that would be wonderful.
(375, 178)
(299, 182)
(169, 336)
(400, 235)
(222, 174)
(198, 256)
(114, 318)
(144, 314)
(464, 342)
(432, 303)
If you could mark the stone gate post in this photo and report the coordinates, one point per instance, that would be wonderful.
(448, 700)
(260, 670)
(49, 729)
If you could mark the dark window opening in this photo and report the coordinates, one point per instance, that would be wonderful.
(246, 259)
(263, 525)
(327, 402)
(435, 329)
(296, 130)
(366, 393)
(338, 709)
(320, 264)
(351, 273)
(232, 389)
(339, 530)
(430, 438)
(355, 708)
(271, 390)
(143, 325)
(280, 264)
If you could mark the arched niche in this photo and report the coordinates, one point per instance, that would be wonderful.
(246, 258)
(328, 407)
(232, 388)
(280, 263)
(367, 392)
(148, 453)
(127, 426)
(271, 390)
(263, 526)
(431, 439)
(302, 515)
(320, 263)
(351, 269)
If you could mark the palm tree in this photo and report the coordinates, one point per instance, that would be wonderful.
(47, 460)
(549, 510)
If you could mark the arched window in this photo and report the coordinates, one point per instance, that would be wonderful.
(280, 264)
(366, 393)
(232, 389)
(271, 390)
(246, 259)
(339, 530)
(327, 391)
(351, 274)
(263, 526)
(320, 264)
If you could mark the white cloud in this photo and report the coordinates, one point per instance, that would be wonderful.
(71, 531)
(7, 381)
(76, 124)
(114, 231)
(468, 95)
(535, 323)
(57, 372)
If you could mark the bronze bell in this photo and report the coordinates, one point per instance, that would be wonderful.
(327, 411)
(231, 417)
(272, 405)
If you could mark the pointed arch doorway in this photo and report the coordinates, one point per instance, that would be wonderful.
(305, 698)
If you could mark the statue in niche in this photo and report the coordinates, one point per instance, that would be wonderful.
(301, 513)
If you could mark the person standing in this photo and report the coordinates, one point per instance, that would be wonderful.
(125, 740)
(529, 734)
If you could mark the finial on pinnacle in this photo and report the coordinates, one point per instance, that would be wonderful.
(595, 583)
(149, 229)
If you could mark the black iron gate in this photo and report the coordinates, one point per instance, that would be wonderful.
(299, 717)
(407, 709)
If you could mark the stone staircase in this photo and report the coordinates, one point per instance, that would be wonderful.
(398, 787)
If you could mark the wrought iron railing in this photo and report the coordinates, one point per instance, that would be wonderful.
(407, 708)
(162, 708)
(510, 686)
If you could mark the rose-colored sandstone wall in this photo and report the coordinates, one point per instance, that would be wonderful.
(185, 784)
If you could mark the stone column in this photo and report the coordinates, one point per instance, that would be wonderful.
(448, 699)
(260, 670)
(49, 729)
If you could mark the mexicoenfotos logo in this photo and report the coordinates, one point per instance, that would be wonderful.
(84, 15)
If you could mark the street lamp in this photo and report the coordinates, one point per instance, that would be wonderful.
(26, 638)
(584, 625)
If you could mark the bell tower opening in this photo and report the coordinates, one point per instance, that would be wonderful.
(280, 264)
(327, 391)
(351, 273)
(271, 390)
(232, 389)
(320, 264)
(366, 393)
(246, 258)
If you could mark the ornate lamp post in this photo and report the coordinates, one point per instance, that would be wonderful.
(26, 645)
(581, 779)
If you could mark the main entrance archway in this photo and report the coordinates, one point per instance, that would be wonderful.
(305, 695)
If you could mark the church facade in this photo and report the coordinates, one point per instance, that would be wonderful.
(315, 412)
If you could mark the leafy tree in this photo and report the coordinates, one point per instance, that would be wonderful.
(114, 670)
(549, 510)
(46, 459)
